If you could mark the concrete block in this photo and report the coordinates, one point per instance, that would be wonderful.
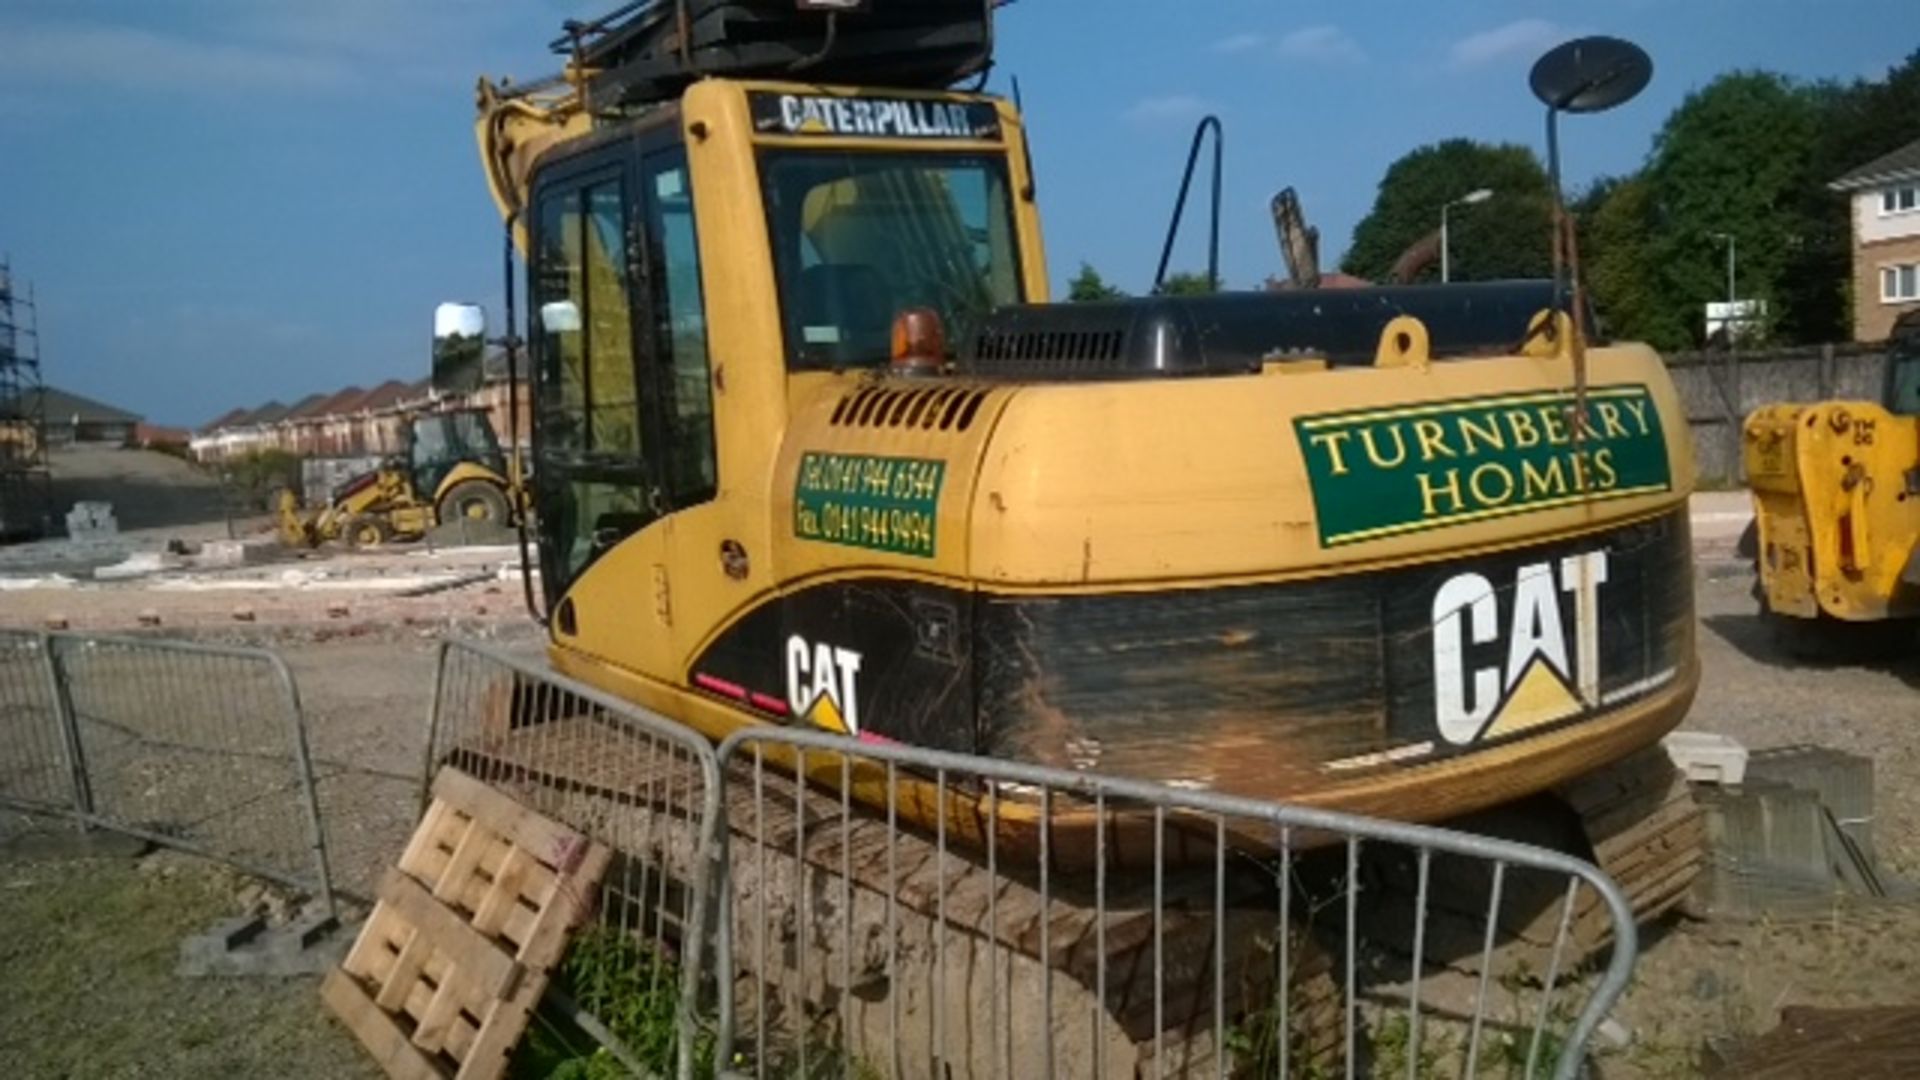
(91, 521)
(1790, 848)
(1706, 758)
(1843, 781)
(309, 944)
(226, 554)
(138, 564)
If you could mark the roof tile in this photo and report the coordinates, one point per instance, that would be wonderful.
(1902, 164)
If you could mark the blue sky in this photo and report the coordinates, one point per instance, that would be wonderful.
(225, 201)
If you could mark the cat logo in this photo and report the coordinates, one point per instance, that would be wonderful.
(823, 685)
(1478, 694)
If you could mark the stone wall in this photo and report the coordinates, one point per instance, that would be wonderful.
(1720, 389)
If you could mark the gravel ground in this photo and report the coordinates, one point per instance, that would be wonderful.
(1757, 694)
(1701, 982)
(365, 697)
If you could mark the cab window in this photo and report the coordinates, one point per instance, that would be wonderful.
(680, 321)
(589, 418)
(859, 237)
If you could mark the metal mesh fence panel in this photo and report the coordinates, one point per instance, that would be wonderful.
(910, 913)
(198, 747)
(646, 787)
(36, 771)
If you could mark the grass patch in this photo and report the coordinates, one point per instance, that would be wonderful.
(90, 991)
(631, 989)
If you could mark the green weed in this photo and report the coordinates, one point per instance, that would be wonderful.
(631, 989)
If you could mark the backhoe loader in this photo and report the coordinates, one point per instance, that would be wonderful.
(453, 471)
(1836, 496)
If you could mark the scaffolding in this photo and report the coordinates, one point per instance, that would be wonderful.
(26, 485)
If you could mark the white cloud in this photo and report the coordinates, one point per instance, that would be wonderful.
(1166, 107)
(260, 46)
(1321, 44)
(98, 55)
(1239, 43)
(1522, 37)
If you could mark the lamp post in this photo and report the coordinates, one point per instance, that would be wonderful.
(1727, 239)
(1471, 197)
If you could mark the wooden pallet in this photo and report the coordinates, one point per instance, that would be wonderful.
(456, 953)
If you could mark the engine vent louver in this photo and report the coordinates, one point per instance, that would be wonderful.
(931, 408)
(1062, 351)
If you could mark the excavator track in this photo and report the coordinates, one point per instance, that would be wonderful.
(1636, 819)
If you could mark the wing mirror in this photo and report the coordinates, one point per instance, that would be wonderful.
(459, 345)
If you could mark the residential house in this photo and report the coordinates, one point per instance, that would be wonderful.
(1886, 240)
(71, 419)
(356, 423)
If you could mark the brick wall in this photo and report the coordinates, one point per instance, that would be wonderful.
(1873, 319)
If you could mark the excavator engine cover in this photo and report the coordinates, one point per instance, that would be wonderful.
(1238, 332)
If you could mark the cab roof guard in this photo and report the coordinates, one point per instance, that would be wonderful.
(650, 50)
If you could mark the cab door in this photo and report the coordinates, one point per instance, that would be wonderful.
(597, 451)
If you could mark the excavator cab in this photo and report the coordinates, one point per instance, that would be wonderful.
(816, 216)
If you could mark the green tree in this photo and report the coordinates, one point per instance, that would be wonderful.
(1186, 283)
(1618, 220)
(1738, 158)
(1867, 119)
(1749, 155)
(1089, 285)
(1505, 237)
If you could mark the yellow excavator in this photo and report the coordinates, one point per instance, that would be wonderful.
(453, 471)
(816, 449)
(1836, 495)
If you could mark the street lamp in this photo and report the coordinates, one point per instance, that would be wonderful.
(1728, 323)
(1471, 197)
(1727, 238)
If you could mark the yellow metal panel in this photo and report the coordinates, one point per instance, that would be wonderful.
(1138, 484)
(1853, 509)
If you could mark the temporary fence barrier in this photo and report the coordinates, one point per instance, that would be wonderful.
(918, 913)
(983, 918)
(645, 786)
(36, 765)
(197, 747)
(900, 910)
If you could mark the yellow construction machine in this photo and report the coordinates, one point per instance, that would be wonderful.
(1836, 496)
(453, 471)
(816, 449)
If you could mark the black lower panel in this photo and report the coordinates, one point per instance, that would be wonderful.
(1236, 688)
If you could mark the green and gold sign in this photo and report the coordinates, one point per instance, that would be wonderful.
(1382, 472)
(859, 500)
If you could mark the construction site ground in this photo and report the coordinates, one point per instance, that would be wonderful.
(87, 960)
